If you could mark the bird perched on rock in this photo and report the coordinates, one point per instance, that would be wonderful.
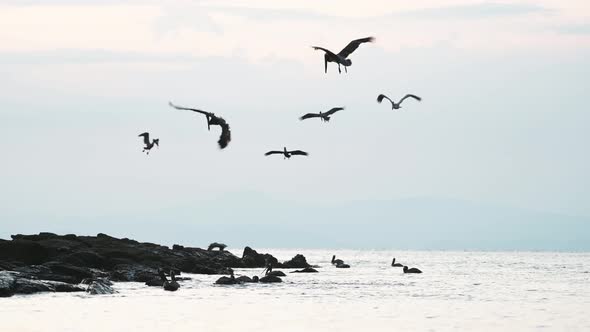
(395, 106)
(287, 154)
(323, 116)
(342, 57)
(149, 144)
(212, 120)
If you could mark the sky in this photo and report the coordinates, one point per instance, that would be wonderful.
(502, 131)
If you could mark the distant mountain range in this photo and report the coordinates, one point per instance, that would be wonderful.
(420, 223)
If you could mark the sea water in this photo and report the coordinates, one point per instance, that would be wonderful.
(476, 291)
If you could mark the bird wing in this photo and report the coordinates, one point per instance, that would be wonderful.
(334, 110)
(309, 115)
(189, 109)
(381, 97)
(298, 152)
(353, 45)
(146, 138)
(273, 152)
(323, 49)
(225, 136)
(410, 96)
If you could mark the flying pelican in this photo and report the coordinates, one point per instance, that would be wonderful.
(412, 270)
(395, 106)
(287, 154)
(212, 120)
(341, 58)
(149, 145)
(323, 116)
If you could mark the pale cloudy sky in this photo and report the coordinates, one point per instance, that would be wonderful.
(503, 121)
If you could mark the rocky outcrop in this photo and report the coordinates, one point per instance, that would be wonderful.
(51, 262)
(12, 283)
(71, 258)
(296, 262)
(217, 245)
(100, 286)
(252, 259)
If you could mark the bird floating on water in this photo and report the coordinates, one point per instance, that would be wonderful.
(149, 144)
(212, 120)
(171, 285)
(394, 264)
(287, 154)
(411, 270)
(342, 57)
(323, 116)
(395, 106)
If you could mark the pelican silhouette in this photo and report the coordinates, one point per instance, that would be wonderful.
(412, 270)
(336, 261)
(287, 154)
(395, 106)
(212, 120)
(323, 116)
(149, 144)
(394, 264)
(342, 57)
(169, 285)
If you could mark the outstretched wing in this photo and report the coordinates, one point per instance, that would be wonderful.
(410, 96)
(381, 97)
(325, 50)
(298, 153)
(334, 110)
(309, 116)
(273, 152)
(353, 45)
(225, 137)
(146, 138)
(189, 109)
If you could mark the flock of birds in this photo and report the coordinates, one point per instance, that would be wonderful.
(268, 275)
(340, 58)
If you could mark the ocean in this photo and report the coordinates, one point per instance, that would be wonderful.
(458, 291)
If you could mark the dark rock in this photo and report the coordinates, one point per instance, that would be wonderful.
(270, 279)
(276, 273)
(251, 258)
(306, 270)
(7, 281)
(62, 287)
(100, 287)
(77, 273)
(25, 251)
(296, 262)
(218, 245)
(155, 282)
(17, 283)
(226, 281)
(139, 273)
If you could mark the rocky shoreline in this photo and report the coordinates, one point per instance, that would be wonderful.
(48, 262)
